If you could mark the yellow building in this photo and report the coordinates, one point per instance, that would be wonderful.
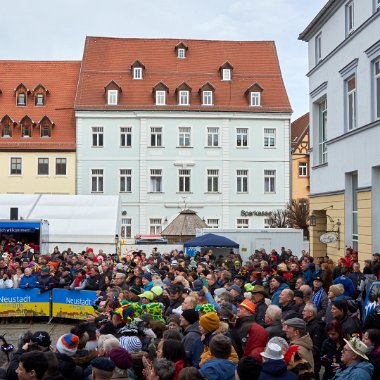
(300, 157)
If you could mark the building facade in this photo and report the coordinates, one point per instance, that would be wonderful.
(300, 158)
(37, 136)
(344, 80)
(170, 124)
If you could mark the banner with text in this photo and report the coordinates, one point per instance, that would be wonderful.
(73, 304)
(24, 303)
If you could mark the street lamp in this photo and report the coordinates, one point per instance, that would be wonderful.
(116, 243)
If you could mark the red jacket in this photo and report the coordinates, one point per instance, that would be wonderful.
(256, 342)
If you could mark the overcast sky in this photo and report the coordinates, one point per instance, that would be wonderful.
(56, 29)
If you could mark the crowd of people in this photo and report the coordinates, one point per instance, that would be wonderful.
(172, 317)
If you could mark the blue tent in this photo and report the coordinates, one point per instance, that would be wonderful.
(211, 240)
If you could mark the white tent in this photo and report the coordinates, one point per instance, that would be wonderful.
(75, 221)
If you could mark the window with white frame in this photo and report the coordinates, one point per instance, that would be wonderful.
(351, 102)
(242, 137)
(137, 73)
(318, 48)
(181, 53)
(97, 137)
(160, 98)
(269, 137)
(212, 136)
(207, 98)
(322, 138)
(302, 169)
(21, 99)
(183, 98)
(269, 181)
(60, 166)
(126, 137)
(125, 180)
(242, 181)
(213, 223)
(212, 180)
(156, 180)
(43, 166)
(155, 226)
(349, 18)
(184, 178)
(16, 166)
(242, 223)
(39, 100)
(97, 180)
(112, 97)
(156, 136)
(255, 99)
(126, 228)
(377, 87)
(226, 74)
(267, 223)
(184, 135)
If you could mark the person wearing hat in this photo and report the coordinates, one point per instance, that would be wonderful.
(258, 297)
(191, 332)
(276, 285)
(147, 281)
(299, 300)
(235, 292)
(295, 330)
(102, 368)
(146, 297)
(319, 299)
(66, 348)
(122, 360)
(44, 280)
(274, 366)
(355, 360)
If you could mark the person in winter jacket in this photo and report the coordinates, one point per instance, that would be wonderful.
(44, 280)
(350, 325)
(219, 367)
(355, 360)
(274, 366)
(273, 322)
(349, 288)
(256, 342)
(258, 297)
(372, 320)
(319, 299)
(371, 338)
(80, 281)
(288, 306)
(191, 332)
(277, 285)
(28, 280)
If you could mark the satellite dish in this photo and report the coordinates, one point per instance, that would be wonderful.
(328, 237)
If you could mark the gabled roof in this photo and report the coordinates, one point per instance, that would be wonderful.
(181, 45)
(299, 128)
(26, 118)
(160, 86)
(138, 63)
(48, 118)
(207, 87)
(22, 85)
(112, 83)
(40, 85)
(254, 87)
(254, 61)
(185, 224)
(183, 86)
(61, 78)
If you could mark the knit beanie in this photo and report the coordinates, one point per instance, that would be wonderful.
(279, 279)
(67, 344)
(190, 315)
(121, 358)
(209, 322)
(131, 343)
(148, 277)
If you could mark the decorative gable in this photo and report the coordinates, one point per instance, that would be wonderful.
(40, 92)
(46, 125)
(226, 71)
(7, 124)
(181, 50)
(253, 94)
(26, 124)
(112, 91)
(21, 92)
(137, 69)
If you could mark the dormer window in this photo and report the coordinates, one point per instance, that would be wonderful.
(21, 92)
(160, 91)
(46, 126)
(207, 94)
(181, 50)
(113, 91)
(40, 92)
(226, 71)
(39, 100)
(183, 94)
(26, 127)
(137, 68)
(7, 124)
(253, 94)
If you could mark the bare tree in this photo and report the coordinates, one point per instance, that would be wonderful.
(279, 218)
(298, 214)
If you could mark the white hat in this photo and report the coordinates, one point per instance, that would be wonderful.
(272, 351)
(358, 347)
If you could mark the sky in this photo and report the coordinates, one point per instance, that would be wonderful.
(56, 29)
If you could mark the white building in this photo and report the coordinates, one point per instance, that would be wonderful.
(344, 81)
(172, 124)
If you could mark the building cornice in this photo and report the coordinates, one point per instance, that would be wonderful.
(344, 43)
(322, 87)
(327, 193)
(364, 189)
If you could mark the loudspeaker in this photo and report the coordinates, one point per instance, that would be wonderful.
(14, 213)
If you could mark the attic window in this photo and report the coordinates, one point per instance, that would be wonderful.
(255, 99)
(137, 69)
(39, 100)
(137, 73)
(183, 94)
(226, 74)
(181, 53)
(226, 71)
(181, 50)
(207, 94)
(253, 94)
(112, 96)
(112, 91)
(21, 99)
(160, 91)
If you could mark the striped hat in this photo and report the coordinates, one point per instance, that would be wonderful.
(131, 343)
(67, 344)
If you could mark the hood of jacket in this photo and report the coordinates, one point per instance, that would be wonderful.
(274, 367)
(218, 369)
(257, 338)
(192, 328)
(304, 341)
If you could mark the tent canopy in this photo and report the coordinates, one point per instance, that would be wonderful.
(211, 240)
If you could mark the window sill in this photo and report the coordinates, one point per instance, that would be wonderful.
(184, 192)
(15, 175)
(98, 147)
(270, 147)
(213, 192)
(271, 192)
(97, 192)
(213, 147)
(185, 147)
(242, 193)
(156, 192)
(125, 146)
(242, 147)
(156, 147)
(125, 192)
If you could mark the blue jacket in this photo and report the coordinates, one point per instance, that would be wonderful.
(218, 369)
(361, 370)
(349, 288)
(148, 286)
(31, 281)
(276, 294)
(210, 299)
(276, 369)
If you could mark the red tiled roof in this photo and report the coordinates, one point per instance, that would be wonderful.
(107, 59)
(299, 127)
(60, 79)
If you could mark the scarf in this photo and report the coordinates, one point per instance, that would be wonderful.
(78, 280)
(317, 297)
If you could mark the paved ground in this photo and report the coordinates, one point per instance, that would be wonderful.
(13, 331)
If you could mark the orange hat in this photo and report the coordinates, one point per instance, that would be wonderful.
(248, 305)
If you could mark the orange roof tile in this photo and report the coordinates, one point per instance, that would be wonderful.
(60, 78)
(299, 127)
(107, 59)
